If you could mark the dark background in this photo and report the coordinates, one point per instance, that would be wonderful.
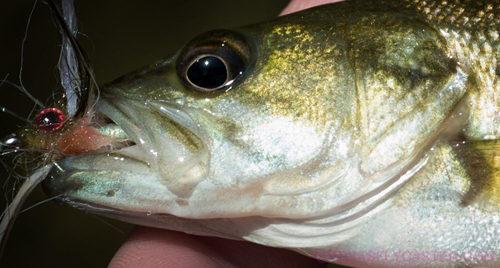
(120, 36)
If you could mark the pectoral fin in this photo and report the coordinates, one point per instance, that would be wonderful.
(481, 162)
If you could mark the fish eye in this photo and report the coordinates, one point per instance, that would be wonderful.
(209, 72)
(213, 61)
(50, 119)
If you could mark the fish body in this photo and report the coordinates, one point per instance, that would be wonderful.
(363, 133)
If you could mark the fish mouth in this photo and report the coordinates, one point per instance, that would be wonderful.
(158, 147)
(166, 138)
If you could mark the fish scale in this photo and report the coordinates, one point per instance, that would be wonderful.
(471, 28)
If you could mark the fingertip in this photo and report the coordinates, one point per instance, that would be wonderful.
(150, 247)
(297, 5)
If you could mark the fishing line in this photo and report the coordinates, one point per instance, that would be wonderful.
(39, 203)
(108, 224)
(12, 189)
(23, 89)
(23, 150)
(4, 109)
(7, 111)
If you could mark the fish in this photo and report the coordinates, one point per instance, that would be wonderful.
(80, 239)
(363, 133)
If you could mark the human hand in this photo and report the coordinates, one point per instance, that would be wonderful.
(150, 247)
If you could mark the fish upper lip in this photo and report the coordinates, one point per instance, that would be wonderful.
(170, 141)
(119, 116)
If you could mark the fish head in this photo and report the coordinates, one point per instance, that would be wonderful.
(275, 133)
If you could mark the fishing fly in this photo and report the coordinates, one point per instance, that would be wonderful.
(56, 128)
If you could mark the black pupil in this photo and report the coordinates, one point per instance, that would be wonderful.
(208, 72)
(50, 118)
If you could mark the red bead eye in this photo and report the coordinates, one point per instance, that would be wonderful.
(50, 119)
